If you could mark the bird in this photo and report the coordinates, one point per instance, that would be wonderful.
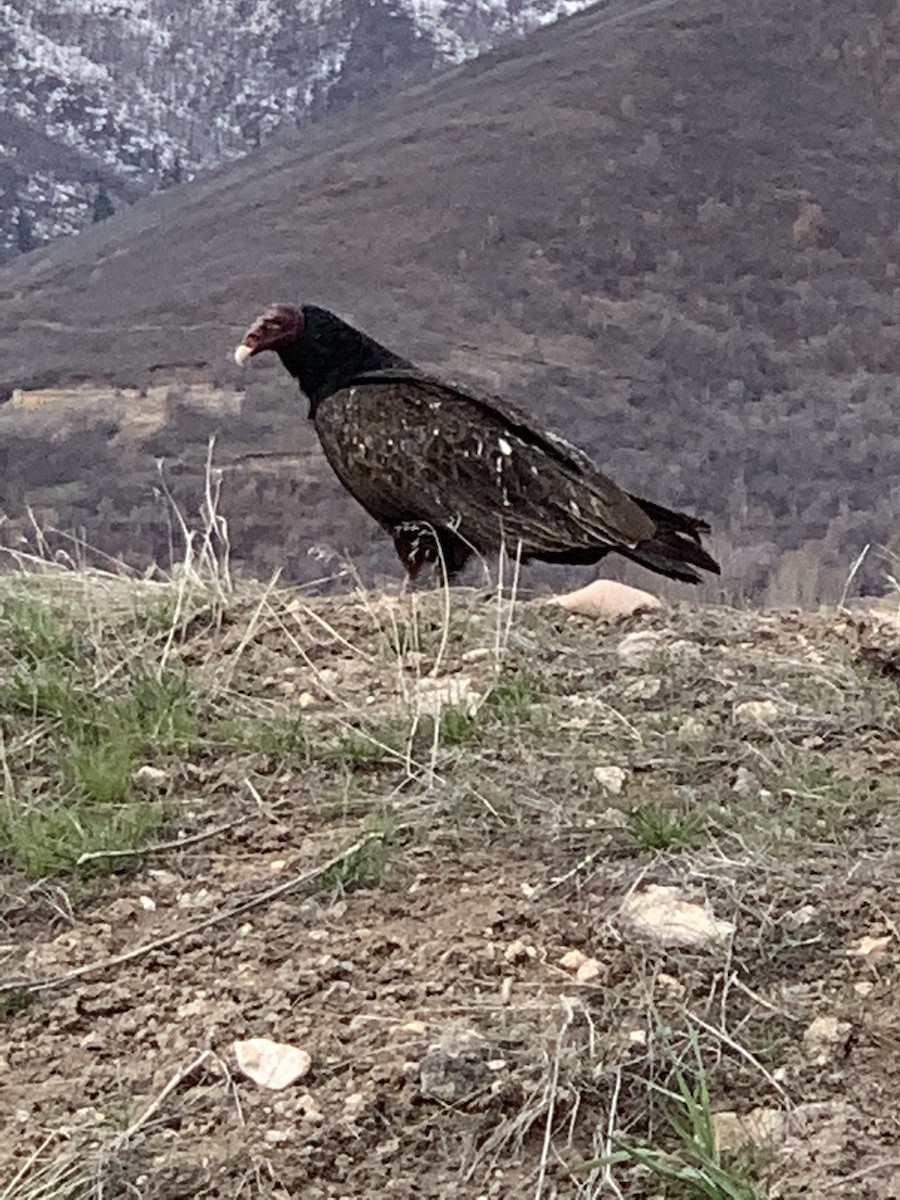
(450, 473)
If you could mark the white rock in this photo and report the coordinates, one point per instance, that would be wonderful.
(804, 915)
(636, 648)
(673, 986)
(151, 779)
(353, 1105)
(416, 1027)
(745, 783)
(870, 948)
(271, 1064)
(519, 951)
(477, 654)
(611, 779)
(573, 959)
(756, 713)
(691, 729)
(588, 970)
(823, 1036)
(759, 1127)
(431, 695)
(606, 598)
(661, 914)
(643, 689)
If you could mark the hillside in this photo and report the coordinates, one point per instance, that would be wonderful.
(670, 229)
(528, 890)
(129, 98)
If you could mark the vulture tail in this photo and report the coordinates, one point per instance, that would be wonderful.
(675, 546)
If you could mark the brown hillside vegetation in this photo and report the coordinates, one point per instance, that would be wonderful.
(414, 839)
(671, 229)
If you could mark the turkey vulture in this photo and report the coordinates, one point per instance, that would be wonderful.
(448, 472)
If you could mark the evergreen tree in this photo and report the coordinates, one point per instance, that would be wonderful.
(25, 239)
(103, 206)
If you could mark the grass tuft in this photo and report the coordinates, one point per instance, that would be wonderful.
(653, 828)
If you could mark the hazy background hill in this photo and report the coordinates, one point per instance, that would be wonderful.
(671, 229)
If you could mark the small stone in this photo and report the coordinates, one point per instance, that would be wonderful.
(573, 959)
(804, 915)
(353, 1105)
(636, 648)
(163, 877)
(588, 970)
(824, 1036)
(271, 1064)
(519, 951)
(611, 779)
(477, 654)
(759, 1127)
(643, 689)
(758, 714)
(432, 695)
(674, 987)
(276, 1136)
(312, 1114)
(151, 779)
(660, 913)
(864, 987)
(201, 899)
(147, 903)
(691, 729)
(745, 783)
(416, 1027)
(870, 948)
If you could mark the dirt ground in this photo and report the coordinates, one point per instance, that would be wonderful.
(453, 1051)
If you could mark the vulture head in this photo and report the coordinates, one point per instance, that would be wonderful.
(276, 327)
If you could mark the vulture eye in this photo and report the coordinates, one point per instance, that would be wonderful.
(270, 326)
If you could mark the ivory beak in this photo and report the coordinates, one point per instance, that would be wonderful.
(242, 353)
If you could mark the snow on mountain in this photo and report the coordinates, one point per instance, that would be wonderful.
(102, 101)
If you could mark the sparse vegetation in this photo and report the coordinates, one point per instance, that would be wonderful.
(655, 829)
(695, 1168)
(403, 803)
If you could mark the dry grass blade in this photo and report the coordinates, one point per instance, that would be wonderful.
(102, 966)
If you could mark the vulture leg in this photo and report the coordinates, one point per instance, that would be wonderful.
(419, 546)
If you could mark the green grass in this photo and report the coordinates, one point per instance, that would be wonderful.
(13, 1001)
(653, 828)
(512, 699)
(690, 1166)
(36, 633)
(459, 726)
(283, 738)
(71, 747)
(363, 869)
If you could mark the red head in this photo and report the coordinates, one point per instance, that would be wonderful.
(276, 327)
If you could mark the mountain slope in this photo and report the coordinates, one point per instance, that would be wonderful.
(136, 96)
(671, 230)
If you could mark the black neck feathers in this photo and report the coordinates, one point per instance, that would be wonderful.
(329, 355)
